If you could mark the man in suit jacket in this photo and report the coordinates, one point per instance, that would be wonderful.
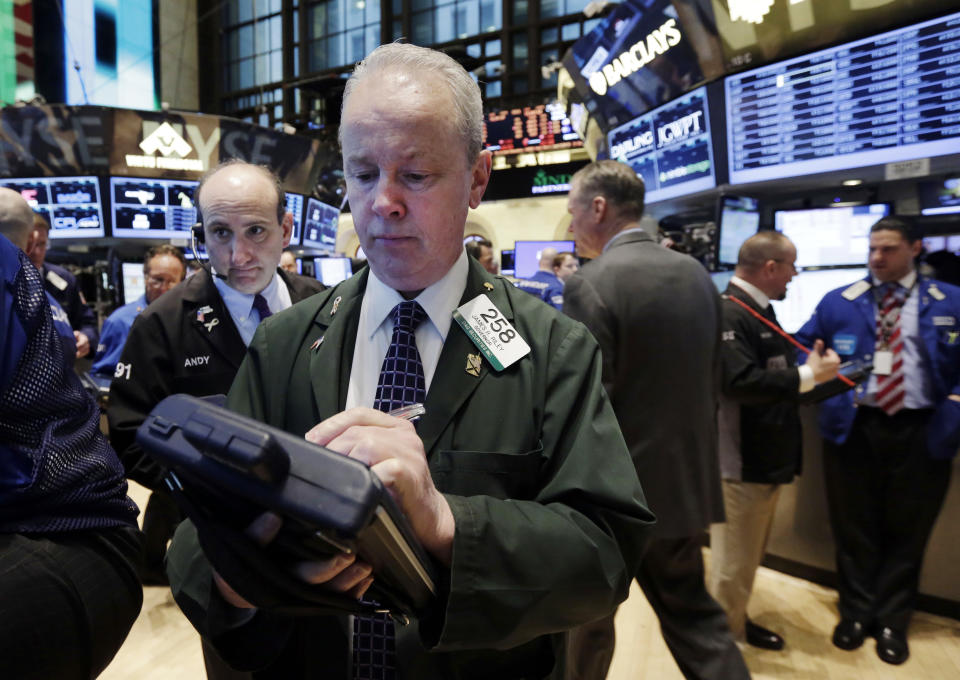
(656, 316)
(760, 441)
(195, 336)
(516, 480)
(888, 446)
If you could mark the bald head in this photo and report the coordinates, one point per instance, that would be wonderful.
(761, 247)
(547, 256)
(16, 218)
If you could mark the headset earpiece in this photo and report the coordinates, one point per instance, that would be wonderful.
(197, 230)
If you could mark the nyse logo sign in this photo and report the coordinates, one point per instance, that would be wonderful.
(164, 139)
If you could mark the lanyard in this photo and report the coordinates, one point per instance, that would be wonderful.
(886, 324)
(842, 378)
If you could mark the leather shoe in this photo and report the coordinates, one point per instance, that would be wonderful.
(849, 634)
(758, 636)
(892, 646)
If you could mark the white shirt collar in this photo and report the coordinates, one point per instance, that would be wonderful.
(907, 281)
(438, 300)
(758, 295)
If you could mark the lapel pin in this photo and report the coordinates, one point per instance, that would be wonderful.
(202, 312)
(316, 344)
(473, 365)
(336, 305)
(488, 285)
(210, 324)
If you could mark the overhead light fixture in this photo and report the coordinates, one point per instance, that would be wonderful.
(852, 182)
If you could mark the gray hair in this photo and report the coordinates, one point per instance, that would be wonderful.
(16, 218)
(761, 247)
(616, 182)
(421, 62)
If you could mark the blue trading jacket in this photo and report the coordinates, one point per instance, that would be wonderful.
(114, 335)
(57, 471)
(845, 320)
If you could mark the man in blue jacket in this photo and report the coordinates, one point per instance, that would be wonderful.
(163, 267)
(888, 444)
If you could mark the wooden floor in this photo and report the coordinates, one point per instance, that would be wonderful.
(163, 645)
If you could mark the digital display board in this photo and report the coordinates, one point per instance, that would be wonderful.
(949, 242)
(826, 237)
(528, 129)
(669, 147)
(320, 226)
(152, 208)
(526, 255)
(70, 204)
(739, 219)
(940, 198)
(294, 206)
(888, 98)
(805, 292)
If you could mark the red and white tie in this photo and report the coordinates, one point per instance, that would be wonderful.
(890, 388)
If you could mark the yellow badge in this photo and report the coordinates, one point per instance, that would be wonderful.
(488, 285)
(336, 305)
(473, 365)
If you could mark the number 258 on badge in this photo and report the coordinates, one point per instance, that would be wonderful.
(490, 331)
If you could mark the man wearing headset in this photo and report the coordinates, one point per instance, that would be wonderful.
(194, 338)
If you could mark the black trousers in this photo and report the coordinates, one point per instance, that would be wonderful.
(693, 624)
(67, 601)
(884, 494)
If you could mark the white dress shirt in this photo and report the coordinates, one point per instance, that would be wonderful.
(807, 382)
(375, 329)
(240, 305)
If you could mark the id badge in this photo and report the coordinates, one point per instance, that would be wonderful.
(883, 362)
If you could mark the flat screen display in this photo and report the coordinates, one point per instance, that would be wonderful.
(294, 206)
(739, 220)
(828, 237)
(669, 147)
(940, 198)
(526, 257)
(506, 262)
(949, 242)
(133, 281)
(152, 208)
(530, 128)
(71, 205)
(320, 226)
(887, 98)
(806, 290)
(332, 270)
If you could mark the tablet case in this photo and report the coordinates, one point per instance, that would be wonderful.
(856, 370)
(225, 469)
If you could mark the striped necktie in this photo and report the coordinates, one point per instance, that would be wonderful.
(890, 388)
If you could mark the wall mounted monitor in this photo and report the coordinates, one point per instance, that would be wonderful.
(738, 219)
(943, 197)
(133, 281)
(332, 270)
(506, 262)
(669, 147)
(828, 237)
(294, 206)
(806, 290)
(887, 98)
(320, 226)
(527, 255)
(152, 208)
(71, 205)
(530, 128)
(949, 242)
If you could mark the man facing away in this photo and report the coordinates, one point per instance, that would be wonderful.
(888, 446)
(760, 443)
(515, 481)
(163, 267)
(656, 315)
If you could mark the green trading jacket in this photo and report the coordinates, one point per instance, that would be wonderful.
(550, 515)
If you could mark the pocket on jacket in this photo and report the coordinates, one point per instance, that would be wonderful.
(487, 473)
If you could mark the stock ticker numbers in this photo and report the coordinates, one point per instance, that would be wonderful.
(856, 104)
(529, 129)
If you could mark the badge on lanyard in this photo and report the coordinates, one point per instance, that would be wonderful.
(882, 362)
(490, 331)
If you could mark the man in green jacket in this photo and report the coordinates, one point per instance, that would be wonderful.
(516, 480)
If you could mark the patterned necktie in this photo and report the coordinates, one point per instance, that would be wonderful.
(260, 304)
(401, 383)
(890, 388)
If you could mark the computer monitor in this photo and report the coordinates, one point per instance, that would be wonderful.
(807, 289)
(940, 198)
(294, 205)
(133, 281)
(738, 219)
(527, 255)
(506, 262)
(145, 208)
(332, 270)
(71, 205)
(320, 226)
(827, 237)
